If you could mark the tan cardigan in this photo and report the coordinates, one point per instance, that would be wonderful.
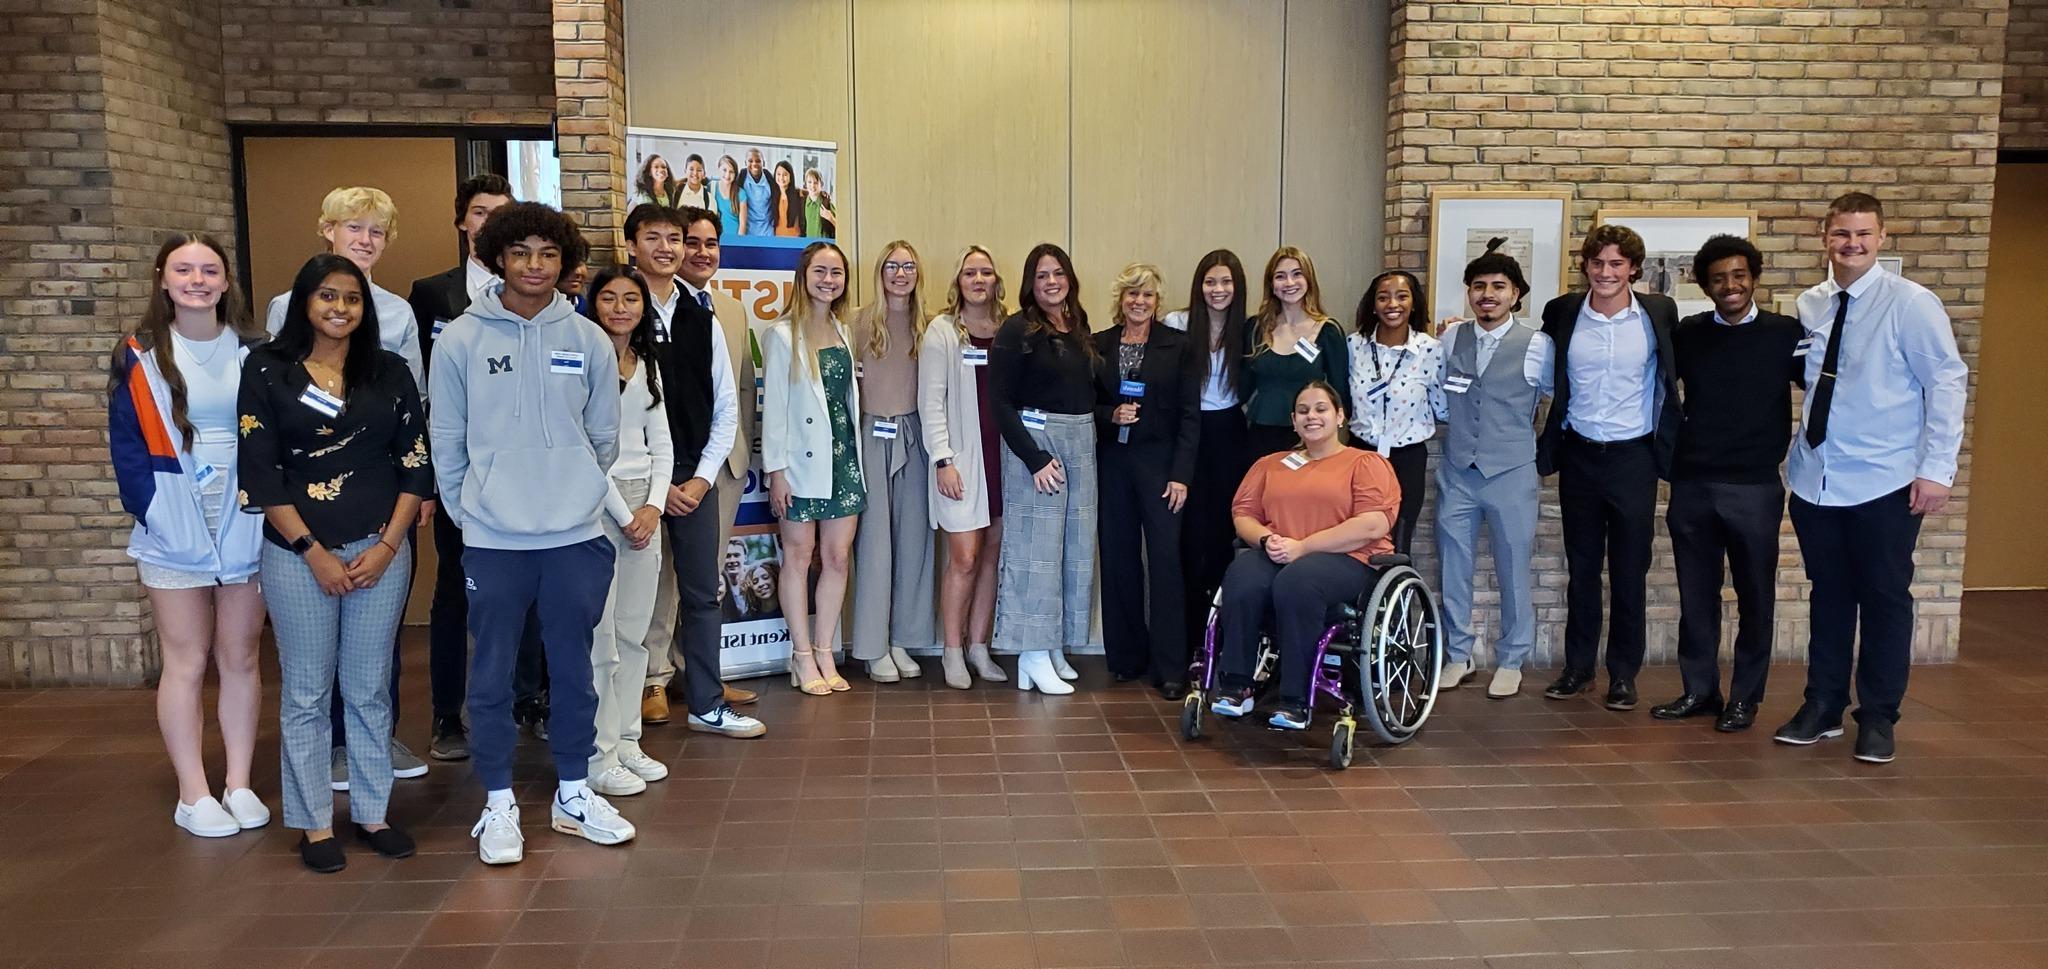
(950, 410)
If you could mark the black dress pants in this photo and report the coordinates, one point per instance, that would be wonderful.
(1860, 560)
(693, 553)
(1292, 600)
(1607, 493)
(1411, 469)
(1207, 533)
(1713, 521)
(1140, 631)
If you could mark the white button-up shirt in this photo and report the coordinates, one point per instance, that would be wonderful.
(1218, 393)
(1900, 385)
(475, 277)
(1612, 364)
(1411, 389)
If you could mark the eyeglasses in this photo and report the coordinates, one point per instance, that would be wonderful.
(892, 268)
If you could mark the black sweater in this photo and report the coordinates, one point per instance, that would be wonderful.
(1737, 396)
(1043, 371)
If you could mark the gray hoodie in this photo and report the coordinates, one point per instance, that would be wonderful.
(524, 424)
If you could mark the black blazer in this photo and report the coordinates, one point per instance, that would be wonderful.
(440, 297)
(1170, 413)
(1560, 317)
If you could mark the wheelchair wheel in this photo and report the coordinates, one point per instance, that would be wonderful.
(1192, 708)
(1401, 656)
(1340, 743)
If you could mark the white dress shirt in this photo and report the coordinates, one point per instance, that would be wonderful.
(665, 308)
(645, 448)
(1612, 364)
(397, 331)
(1900, 385)
(1218, 392)
(476, 277)
(1404, 412)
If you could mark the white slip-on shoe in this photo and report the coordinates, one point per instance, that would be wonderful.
(906, 667)
(644, 767)
(247, 808)
(1506, 683)
(1035, 670)
(883, 670)
(1455, 674)
(617, 781)
(590, 817)
(206, 819)
(498, 841)
(1060, 665)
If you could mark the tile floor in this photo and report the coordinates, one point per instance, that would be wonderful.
(909, 827)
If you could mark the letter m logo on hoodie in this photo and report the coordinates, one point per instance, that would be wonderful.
(500, 364)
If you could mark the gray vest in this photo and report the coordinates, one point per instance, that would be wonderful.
(1492, 425)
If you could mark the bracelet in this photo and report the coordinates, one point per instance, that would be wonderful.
(393, 548)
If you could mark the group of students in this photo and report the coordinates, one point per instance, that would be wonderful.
(582, 468)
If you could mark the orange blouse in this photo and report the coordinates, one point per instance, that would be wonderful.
(1299, 502)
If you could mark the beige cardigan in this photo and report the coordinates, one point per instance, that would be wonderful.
(950, 410)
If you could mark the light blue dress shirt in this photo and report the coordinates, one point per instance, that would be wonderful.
(1612, 364)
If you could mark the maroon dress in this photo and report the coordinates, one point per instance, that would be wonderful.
(991, 437)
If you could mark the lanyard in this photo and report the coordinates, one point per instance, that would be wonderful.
(1387, 396)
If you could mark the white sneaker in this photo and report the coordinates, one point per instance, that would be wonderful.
(247, 808)
(591, 818)
(644, 767)
(905, 666)
(617, 781)
(498, 841)
(1455, 674)
(1035, 669)
(206, 819)
(1060, 665)
(1506, 683)
(724, 720)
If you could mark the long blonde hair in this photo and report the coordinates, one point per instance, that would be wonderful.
(871, 322)
(956, 306)
(1311, 298)
(796, 308)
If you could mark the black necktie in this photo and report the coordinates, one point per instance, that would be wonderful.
(1824, 389)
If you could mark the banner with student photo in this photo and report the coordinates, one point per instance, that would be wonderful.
(773, 197)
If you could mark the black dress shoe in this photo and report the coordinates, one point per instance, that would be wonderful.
(1568, 685)
(323, 856)
(1809, 725)
(1736, 717)
(1689, 705)
(1174, 691)
(1874, 741)
(390, 842)
(1621, 695)
(1122, 677)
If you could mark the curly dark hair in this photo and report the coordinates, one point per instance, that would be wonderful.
(518, 221)
(1722, 247)
(1622, 238)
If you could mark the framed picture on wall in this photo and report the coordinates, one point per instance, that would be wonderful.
(1462, 222)
(1671, 237)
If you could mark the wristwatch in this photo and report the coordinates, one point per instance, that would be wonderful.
(943, 463)
(303, 545)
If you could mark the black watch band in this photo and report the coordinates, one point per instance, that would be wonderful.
(943, 463)
(303, 545)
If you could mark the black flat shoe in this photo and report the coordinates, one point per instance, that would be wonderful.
(1174, 692)
(1621, 695)
(1689, 705)
(1121, 677)
(1736, 717)
(1874, 742)
(1567, 686)
(323, 856)
(1809, 725)
(390, 842)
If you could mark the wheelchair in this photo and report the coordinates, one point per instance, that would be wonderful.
(1381, 655)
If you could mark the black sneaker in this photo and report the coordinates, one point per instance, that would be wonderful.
(1621, 695)
(323, 856)
(390, 842)
(1567, 686)
(1874, 741)
(1809, 726)
(1289, 717)
(451, 741)
(531, 714)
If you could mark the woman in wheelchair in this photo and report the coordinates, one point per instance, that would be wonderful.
(1312, 517)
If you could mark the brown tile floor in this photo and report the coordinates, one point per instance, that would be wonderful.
(914, 826)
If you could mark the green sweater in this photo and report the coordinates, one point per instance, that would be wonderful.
(1269, 381)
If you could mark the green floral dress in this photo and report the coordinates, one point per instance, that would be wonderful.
(849, 492)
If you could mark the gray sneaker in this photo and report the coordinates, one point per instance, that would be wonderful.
(338, 759)
(405, 763)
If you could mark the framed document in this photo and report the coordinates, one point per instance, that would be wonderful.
(1531, 228)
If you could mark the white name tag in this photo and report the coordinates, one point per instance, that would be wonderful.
(974, 356)
(1457, 383)
(886, 430)
(1803, 347)
(203, 474)
(439, 325)
(1034, 419)
(1307, 350)
(860, 372)
(1295, 461)
(321, 401)
(1378, 390)
(1383, 449)
(565, 361)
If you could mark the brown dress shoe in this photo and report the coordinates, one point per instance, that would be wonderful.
(735, 696)
(654, 705)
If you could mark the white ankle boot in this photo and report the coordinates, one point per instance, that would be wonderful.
(985, 665)
(954, 666)
(1035, 669)
(905, 666)
(1059, 663)
(883, 670)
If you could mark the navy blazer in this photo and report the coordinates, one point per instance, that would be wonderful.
(1560, 318)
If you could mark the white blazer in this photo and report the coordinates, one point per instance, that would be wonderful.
(949, 407)
(796, 424)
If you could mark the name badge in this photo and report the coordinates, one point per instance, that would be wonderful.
(886, 430)
(1457, 383)
(1131, 388)
(974, 356)
(1034, 419)
(1307, 350)
(1803, 347)
(1378, 390)
(203, 474)
(439, 325)
(1295, 461)
(322, 402)
(1383, 449)
(565, 361)
(860, 372)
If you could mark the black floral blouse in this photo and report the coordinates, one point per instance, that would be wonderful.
(344, 472)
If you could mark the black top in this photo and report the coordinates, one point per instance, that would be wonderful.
(435, 301)
(1047, 371)
(686, 393)
(1738, 396)
(1170, 413)
(1560, 318)
(342, 473)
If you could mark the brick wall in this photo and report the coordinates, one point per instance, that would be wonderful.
(590, 106)
(394, 61)
(2024, 118)
(1776, 108)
